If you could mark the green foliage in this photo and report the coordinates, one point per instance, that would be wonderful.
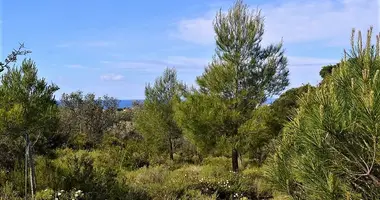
(241, 77)
(330, 150)
(85, 118)
(45, 194)
(196, 116)
(327, 70)
(257, 133)
(210, 180)
(27, 105)
(196, 194)
(49, 194)
(284, 108)
(186, 152)
(92, 172)
(155, 119)
(8, 192)
(125, 115)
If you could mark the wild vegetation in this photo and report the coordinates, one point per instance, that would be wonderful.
(218, 140)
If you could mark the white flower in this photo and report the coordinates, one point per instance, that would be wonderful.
(59, 194)
(56, 198)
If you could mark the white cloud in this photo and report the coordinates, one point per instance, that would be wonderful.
(297, 21)
(112, 77)
(327, 20)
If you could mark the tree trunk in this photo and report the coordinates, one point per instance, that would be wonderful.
(31, 167)
(240, 159)
(235, 153)
(31, 183)
(235, 160)
(32, 172)
(200, 157)
(171, 149)
(26, 167)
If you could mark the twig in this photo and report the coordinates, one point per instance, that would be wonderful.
(12, 57)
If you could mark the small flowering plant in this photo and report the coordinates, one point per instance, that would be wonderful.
(69, 195)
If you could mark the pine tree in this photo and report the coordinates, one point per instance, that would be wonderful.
(29, 115)
(330, 150)
(155, 120)
(239, 79)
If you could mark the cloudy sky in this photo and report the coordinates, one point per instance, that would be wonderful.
(115, 47)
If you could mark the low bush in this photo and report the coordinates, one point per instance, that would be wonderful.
(212, 179)
(91, 172)
(7, 192)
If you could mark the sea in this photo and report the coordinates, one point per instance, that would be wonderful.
(127, 103)
(122, 103)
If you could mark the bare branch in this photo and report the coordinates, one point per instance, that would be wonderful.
(12, 57)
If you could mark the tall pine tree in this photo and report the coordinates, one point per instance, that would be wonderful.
(242, 75)
(155, 120)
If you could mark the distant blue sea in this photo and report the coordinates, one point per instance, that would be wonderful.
(122, 103)
(128, 103)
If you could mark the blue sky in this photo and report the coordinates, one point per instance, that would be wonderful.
(115, 47)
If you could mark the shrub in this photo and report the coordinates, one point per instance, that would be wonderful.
(221, 162)
(214, 178)
(92, 172)
(9, 192)
(196, 194)
(46, 194)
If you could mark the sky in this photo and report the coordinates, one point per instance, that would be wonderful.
(116, 47)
